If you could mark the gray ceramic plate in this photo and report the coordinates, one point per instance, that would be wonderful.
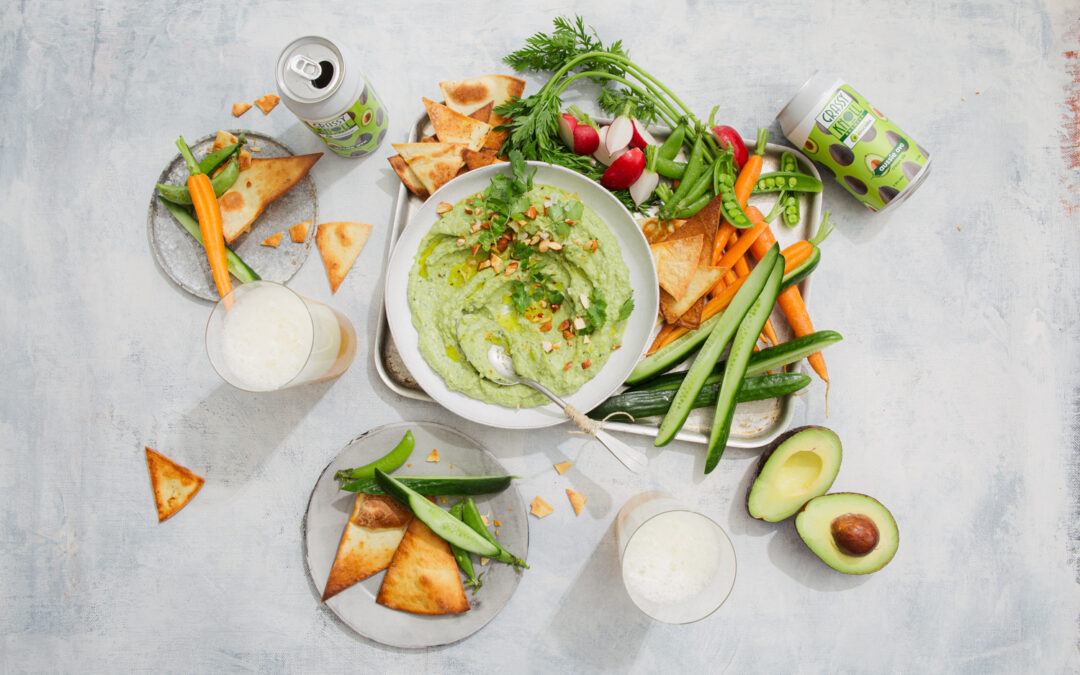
(329, 509)
(182, 258)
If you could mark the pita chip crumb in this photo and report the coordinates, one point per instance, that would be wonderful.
(486, 520)
(434, 456)
(540, 508)
(497, 523)
(273, 240)
(239, 109)
(267, 103)
(299, 231)
(173, 485)
(484, 561)
(577, 500)
(561, 467)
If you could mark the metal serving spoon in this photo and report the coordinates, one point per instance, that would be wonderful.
(503, 364)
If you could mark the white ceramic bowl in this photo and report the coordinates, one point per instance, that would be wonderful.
(638, 260)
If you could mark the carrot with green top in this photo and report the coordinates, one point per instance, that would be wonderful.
(208, 211)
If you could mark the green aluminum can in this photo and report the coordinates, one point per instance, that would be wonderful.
(864, 150)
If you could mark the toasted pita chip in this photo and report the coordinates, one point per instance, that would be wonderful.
(474, 159)
(173, 485)
(691, 318)
(408, 177)
(435, 164)
(577, 500)
(454, 127)
(540, 508)
(676, 260)
(368, 542)
(470, 94)
(423, 576)
(224, 138)
(483, 114)
(239, 109)
(257, 187)
(273, 240)
(299, 231)
(267, 103)
(339, 244)
(703, 279)
(561, 467)
(705, 223)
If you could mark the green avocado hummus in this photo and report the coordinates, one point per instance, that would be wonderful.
(537, 272)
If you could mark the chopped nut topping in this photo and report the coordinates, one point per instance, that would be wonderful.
(565, 324)
(444, 207)
(586, 364)
(545, 328)
(475, 227)
(502, 244)
(586, 339)
(554, 245)
(544, 245)
(584, 300)
(475, 248)
(531, 213)
(570, 222)
(511, 268)
(461, 241)
(496, 263)
(484, 264)
(546, 346)
(467, 210)
(568, 366)
(579, 323)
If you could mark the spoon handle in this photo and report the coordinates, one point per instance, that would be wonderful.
(633, 459)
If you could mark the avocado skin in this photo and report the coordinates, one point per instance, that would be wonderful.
(772, 449)
(817, 536)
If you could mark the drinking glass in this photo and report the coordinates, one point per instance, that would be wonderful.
(264, 337)
(678, 566)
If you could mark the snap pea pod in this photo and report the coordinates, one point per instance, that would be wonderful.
(218, 157)
(647, 402)
(789, 178)
(742, 346)
(387, 462)
(471, 515)
(670, 147)
(464, 558)
(237, 267)
(718, 337)
(668, 168)
(441, 523)
(786, 181)
(733, 211)
(760, 361)
(434, 485)
(789, 164)
(178, 194)
(693, 170)
(693, 207)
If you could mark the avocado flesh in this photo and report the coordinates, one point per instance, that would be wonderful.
(814, 524)
(798, 466)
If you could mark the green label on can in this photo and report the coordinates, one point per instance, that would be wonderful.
(357, 131)
(869, 155)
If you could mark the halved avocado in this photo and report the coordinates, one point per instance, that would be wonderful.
(797, 467)
(852, 533)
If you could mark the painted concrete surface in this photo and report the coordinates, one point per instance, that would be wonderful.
(955, 390)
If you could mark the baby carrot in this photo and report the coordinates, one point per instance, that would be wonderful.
(208, 211)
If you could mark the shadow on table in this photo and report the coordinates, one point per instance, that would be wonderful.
(597, 626)
(231, 433)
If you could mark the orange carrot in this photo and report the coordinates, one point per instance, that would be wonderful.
(751, 171)
(790, 300)
(208, 212)
(796, 254)
(661, 338)
(745, 242)
(722, 235)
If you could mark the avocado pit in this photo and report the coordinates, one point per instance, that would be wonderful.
(854, 534)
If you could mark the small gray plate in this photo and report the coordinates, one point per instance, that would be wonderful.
(183, 259)
(329, 509)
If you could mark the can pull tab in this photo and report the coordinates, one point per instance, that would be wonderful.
(305, 67)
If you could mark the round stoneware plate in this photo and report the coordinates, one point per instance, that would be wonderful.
(329, 509)
(183, 259)
(635, 251)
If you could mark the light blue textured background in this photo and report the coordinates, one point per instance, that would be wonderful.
(955, 391)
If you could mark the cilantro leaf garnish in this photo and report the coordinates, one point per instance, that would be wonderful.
(519, 297)
(626, 309)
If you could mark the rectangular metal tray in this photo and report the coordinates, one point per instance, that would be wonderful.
(756, 423)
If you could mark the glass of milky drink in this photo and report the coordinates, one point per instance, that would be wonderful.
(264, 337)
(678, 566)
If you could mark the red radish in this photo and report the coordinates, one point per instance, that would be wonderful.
(619, 134)
(643, 187)
(567, 124)
(601, 153)
(586, 139)
(641, 136)
(626, 169)
(730, 138)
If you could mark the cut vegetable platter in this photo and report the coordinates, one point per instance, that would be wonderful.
(756, 423)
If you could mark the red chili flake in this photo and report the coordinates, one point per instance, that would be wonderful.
(531, 213)
(586, 363)
(568, 366)
(545, 327)
(475, 248)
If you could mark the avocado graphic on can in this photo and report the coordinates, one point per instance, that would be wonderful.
(860, 147)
